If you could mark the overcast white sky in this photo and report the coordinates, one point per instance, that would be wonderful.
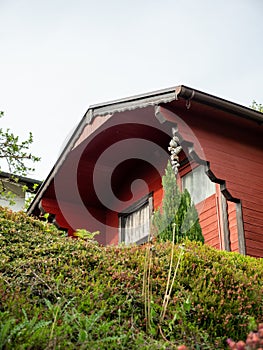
(60, 56)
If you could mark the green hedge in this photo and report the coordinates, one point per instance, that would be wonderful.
(58, 292)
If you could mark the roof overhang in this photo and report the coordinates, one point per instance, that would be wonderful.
(161, 97)
(219, 103)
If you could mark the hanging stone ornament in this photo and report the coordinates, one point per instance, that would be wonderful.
(174, 148)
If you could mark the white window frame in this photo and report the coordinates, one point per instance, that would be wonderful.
(147, 202)
(205, 186)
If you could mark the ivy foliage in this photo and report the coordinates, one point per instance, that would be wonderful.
(177, 211)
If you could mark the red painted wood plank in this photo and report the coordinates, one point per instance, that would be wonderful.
(255, 236)
(231, 208)
(232, 216)
(252, 227)
(246, 191)
(253, 221)
(252, 212)
(243, 172)
(206, 214)
(231, 150)
(211, 226)
(252, 204)
(234, 247)
(258, 253)
(205, 208)
(212, 241)
(212, 234)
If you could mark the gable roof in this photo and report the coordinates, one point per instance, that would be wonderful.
(163, 96)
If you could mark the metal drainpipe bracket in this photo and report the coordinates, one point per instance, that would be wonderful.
(188, 101)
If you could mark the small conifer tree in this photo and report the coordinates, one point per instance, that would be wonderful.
(177, 210)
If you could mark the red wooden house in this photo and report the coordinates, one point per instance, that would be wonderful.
(108, 177)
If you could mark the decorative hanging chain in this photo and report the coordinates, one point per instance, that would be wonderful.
(174, 148)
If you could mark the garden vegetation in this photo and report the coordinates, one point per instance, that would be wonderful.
(62, 293)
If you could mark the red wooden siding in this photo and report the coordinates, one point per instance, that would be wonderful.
(232, 222)
(233, 146)
(209, 221)
(112, 230)
(77, 219)
(253, 226)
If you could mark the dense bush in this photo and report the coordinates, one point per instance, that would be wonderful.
(63, 293)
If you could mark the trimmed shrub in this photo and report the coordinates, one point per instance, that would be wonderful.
(58, 292)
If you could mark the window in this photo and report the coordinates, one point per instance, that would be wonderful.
(198, 184)
(135, 222)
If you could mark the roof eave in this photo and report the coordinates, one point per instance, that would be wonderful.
(140, 101)
(219, 103)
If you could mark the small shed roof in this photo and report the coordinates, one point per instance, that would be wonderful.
(21, 179)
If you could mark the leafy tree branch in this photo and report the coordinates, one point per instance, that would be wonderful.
(16, 154)
(257, 106)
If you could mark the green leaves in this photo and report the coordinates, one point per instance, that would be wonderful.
(86, 235)
(16, 155)
(257, 106)
(177, 209)
(13, 332)
(15, 152)
(76, 295)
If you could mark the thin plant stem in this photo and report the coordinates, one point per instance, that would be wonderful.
(175, 273)
(53, 324)
(168, 279)
(149, 290)
(145, 289)
(144, 283)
